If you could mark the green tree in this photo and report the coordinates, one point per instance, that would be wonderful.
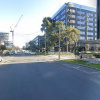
(51, 29)
(17, 48)
(32, 46)
(9, 48)
(72, 35)
(3, 47)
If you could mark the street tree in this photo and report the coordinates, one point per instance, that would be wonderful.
(72, 35)
(9, 48)
(3, 47)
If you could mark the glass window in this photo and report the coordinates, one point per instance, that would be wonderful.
(80, 17)
(63, 17)
(72, 16)
(82, 38)
(90, 33)
(80, 22)
(82, 33)
(95, 34)
(95, 38)
(80, 27)
(62, 12)
(90, 19)
(95, 29)
(90, 28)
(90, 38)
(80, 12)
(90, 14)
(91, 24)
(71, 21)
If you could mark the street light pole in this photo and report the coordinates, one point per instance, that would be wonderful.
(86, 26)
(45, 42)
(59, 43)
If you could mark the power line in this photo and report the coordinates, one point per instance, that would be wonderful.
(34, 33)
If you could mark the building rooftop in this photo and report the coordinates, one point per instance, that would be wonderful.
(76, 6)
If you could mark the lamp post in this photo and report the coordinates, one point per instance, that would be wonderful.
(59, 26)
(59, 43)
(86, 26)
(45, 41)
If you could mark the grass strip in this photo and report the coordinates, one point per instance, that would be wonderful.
(82, 62)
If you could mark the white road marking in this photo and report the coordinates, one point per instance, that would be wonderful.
(95, 72)
(77, 68)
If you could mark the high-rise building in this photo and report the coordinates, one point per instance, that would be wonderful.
(82, 17)
(37, 40)
(3, 37)
(98, 19)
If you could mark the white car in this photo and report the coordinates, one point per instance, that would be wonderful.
(1, 58)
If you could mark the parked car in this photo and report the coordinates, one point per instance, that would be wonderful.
(9, 53)
(1, 58)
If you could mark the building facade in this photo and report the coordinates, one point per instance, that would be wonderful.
(8, 43)
(27, 45)
(37, 40)
(98, 19)
(81, 17)
(4, 37)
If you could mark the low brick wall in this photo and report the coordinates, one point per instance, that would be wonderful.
(87, 55)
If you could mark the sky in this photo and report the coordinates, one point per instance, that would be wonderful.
(33, 12)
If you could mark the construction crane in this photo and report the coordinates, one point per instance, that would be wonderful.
(13, 29)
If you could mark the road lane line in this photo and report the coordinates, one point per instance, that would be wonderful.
(77, 68)
(95, 72)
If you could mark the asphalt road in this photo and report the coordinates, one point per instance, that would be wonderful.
(47, 80)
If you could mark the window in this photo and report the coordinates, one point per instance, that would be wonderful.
(95, 19)
(90, 28)
(80, 17)
(80, 22)
(95, 15)
(71, 10)
(82, 33)
(90, 14)
(63, 17)
(80, 12)
(91, 24)
(95, 24)
(71, 21)
(82, 38)
(90, 38)
(90, 19)
(95, 38)
(80, 27)
(72, 16)
(90, 33)
(64, 21)
(95, 29)
(57, 17)
(62, 12)
(95, 34)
